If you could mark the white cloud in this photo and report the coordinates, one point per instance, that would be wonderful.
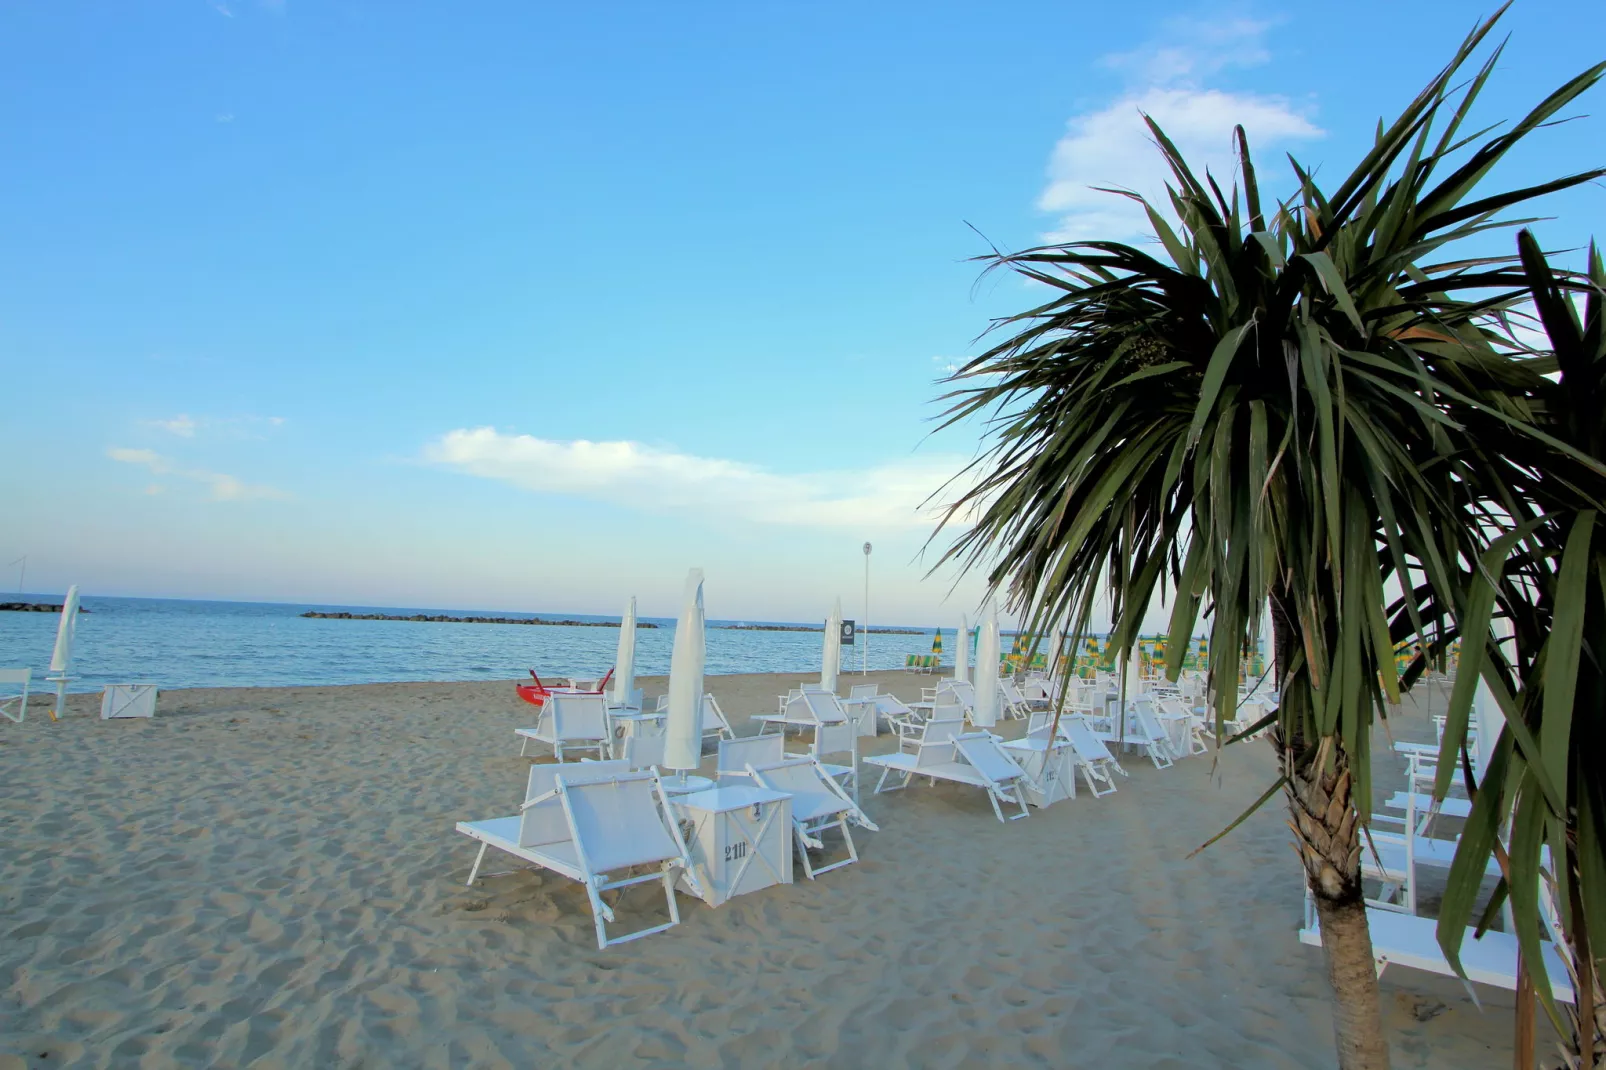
(1112, 147)
(659, 480)
(224, 488)
(249, 427)
(180, 425)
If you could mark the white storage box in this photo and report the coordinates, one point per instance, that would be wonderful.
(740, 840)
(128, 700)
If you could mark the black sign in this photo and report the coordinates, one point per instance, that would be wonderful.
(847, 633)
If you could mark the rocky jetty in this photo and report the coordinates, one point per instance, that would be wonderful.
(33, 607)
(435, 618)
(812, 628)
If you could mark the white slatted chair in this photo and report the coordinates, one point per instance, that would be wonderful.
(594, 823)
(15, 707)
(818, 804)
(573, 721)
(738, 754)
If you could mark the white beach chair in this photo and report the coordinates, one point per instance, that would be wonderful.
(1405, 940)
(575, 721)
(736, 755)
(643, 751)
(1093, 758)
(715, 724)
(595, 821)
(15, 707)
(1004, 777)
(940, 757)
(633, 702)
(818, 803)
(1012, 702)
(963, 690)
(1141, 730)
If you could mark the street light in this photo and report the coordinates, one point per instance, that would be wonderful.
(865, 662)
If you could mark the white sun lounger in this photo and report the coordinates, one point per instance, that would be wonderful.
(941, 756)
(738, 754)
(1093, 758)
(1012, 702)
(594, 822)
(1413, 942)
(568, 719)
(1141, 730)
(818, 803)
(18, 703)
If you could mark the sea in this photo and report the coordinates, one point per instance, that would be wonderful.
(177, 643)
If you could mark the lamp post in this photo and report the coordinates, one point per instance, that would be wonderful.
(864, 664)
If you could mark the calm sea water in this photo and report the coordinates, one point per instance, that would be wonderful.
(177, 643)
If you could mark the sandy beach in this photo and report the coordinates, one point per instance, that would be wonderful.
(270, 878)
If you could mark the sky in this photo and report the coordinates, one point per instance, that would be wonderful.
(532, 307)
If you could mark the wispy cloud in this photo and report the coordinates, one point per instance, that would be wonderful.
(1112, 147)
(223, 488)
(663, 480)
(221, 8)
(186, 426)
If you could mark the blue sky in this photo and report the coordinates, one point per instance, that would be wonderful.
(524, 306)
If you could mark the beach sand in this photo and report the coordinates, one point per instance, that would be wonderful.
(270, 878)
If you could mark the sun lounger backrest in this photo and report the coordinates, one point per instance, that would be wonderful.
(713, 716)
(834, 739)
(863, 690)
(618, 823)
(645, 751)
(544, 822)
(796, 776)
(964, 690)
(735, 755)
(942, 730)
(988, 758)
(1090, 747)
(892, 705)
(579, 716)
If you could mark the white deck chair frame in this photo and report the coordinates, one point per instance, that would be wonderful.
(818, 804)
(1093, 758)
(23, 677)
(570, 788)
(575, 721)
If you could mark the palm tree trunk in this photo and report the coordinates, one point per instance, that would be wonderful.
(1326, 829)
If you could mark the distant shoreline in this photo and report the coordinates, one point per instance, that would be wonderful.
(431, 618)
(436, 618)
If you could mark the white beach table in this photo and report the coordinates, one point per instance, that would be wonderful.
(740, 841)
(635, 724)
(676, 786)
(1052, 771)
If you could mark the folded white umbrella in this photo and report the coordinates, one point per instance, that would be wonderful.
(832, 663)
(1055, 643)
(61, 656)
(624, 662)
(962, 654)
(683, 728)
(985, 714)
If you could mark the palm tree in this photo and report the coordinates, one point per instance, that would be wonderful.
(1542, 782)
(1253, 415)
